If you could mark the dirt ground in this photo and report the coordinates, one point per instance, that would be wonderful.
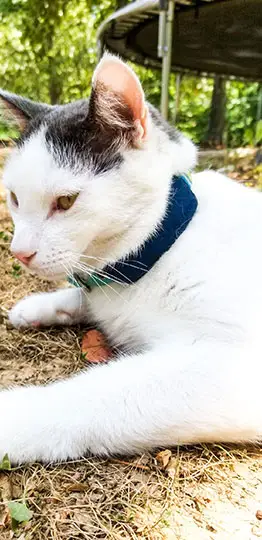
(199, 493)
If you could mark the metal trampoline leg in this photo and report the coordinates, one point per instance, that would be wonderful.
(166, 33)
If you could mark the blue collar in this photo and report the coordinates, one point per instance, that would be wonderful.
(182, 204)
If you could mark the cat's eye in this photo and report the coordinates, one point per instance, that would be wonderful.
(14, 199)
(66, 201)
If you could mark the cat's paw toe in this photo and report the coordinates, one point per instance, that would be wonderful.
(63, 317)
(20, 318)
(38, 310)
(29, 312)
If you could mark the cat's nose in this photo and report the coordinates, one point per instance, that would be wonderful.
(24, 257)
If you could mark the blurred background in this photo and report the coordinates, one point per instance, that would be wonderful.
(48, 53)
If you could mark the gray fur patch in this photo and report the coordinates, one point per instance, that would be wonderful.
(73, 141)
(78, 135)
(29, 108)
(172, 132)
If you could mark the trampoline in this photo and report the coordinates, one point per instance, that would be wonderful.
(204, 37)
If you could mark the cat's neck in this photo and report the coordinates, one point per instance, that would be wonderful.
(145, 180)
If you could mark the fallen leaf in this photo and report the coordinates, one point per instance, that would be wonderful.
(6, 491)
(77, 487)
(95, 348)
(163, 458)
(5, 520)
(171, 467)
(64, 514)
(19, 513)
(53, 500)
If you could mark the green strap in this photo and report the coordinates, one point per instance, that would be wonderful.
(90, 282)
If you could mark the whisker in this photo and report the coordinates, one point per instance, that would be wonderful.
(127, 280)
(102, 273)
(105, 274)
(70, 275)
(121, 262)
(77, 265)
(85, 268)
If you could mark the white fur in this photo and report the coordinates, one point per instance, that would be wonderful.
(192, 324)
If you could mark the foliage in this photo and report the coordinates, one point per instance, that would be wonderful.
(7, 131)
(258, 134)
(5, 464)
(19, 513)
(48, 53)
(241, 113)
(194, 107)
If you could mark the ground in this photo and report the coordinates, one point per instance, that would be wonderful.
(198, 493)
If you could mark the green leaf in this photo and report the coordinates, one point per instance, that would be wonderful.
(16, 270)
(19, 511)
(4, 236)
(259, 132)
(5, 464)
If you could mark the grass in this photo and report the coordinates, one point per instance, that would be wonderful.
(204, 492)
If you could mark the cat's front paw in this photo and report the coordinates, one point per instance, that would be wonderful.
(22, 437)
(38, 310)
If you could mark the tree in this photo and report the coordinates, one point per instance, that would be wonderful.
(216, 123)
(48, 49)
(48, 53)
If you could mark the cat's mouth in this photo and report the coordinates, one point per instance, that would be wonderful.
(45, 272)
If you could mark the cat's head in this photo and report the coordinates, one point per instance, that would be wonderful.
(88, 182)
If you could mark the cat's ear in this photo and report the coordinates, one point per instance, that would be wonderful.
(20, 110)
(117, 98)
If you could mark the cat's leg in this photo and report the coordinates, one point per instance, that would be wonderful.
(65, 306)
(169, 396)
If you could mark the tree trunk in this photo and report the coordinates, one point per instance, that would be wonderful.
(55, 86)
(217, 113)
(121, 3)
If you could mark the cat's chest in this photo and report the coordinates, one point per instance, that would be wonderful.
(146, 312)
(127, 319)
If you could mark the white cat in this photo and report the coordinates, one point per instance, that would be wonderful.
(88, 184)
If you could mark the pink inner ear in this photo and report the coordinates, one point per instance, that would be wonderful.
(116, 76)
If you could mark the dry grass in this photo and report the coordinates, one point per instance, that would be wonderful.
(205, 492)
